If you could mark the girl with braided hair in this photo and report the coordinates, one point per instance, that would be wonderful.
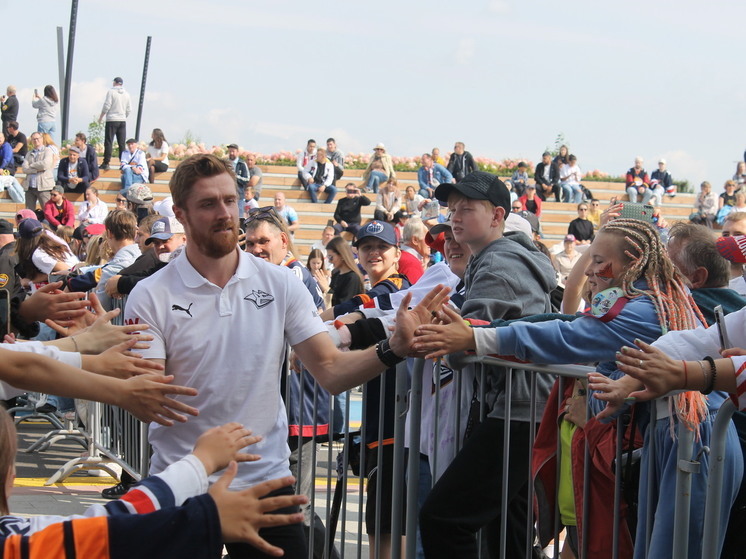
(636, 294)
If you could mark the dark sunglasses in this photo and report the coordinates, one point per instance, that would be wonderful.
(267, 213)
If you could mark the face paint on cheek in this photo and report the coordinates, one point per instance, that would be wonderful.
(606, 274)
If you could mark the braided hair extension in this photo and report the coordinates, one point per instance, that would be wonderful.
(676, 310)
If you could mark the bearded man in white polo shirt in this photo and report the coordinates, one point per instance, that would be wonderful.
(213, 298)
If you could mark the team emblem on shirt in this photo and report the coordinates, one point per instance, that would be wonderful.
(260, 298)
(3, 280)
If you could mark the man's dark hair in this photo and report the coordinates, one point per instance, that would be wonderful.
(81, 136)
(311, 140)
(331, 140)
(13, 124)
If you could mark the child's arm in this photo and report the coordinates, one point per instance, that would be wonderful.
(213, 451)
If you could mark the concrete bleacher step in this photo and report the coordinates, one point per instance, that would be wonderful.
(314, 217)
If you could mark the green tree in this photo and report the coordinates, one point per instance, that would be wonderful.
(96, 132)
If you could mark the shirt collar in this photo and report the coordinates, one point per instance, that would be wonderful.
(246, 268)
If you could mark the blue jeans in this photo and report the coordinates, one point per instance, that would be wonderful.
(14, 188)
(49, 127)
(331, 192)
(577, 193)
(129, 178)
(376, 178)
(425, 193)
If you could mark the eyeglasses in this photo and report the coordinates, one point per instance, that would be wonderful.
(121, 200)
(351, 191)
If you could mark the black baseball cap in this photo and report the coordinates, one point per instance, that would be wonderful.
(378, 229)
(478, 185)
(6, 227)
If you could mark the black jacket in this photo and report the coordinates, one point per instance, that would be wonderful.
(9, 280)
(63, 173)
(348, 209)
(461, 165)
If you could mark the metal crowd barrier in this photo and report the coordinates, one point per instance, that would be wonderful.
(337, 530)
(112, 436)
(405, 495)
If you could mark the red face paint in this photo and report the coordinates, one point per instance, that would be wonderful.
(606, 274)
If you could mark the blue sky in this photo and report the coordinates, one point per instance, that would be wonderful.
(656, 78)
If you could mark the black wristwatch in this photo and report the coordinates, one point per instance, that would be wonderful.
(386, 355)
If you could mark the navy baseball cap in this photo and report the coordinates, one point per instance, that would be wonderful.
(478, 185)
(378, 229)
(30, 228)
(164, 229)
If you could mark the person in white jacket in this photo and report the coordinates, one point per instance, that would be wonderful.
(319, 174)
(116, 109)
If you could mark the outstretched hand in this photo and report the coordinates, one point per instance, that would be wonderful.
(217, 447)
(654, 369)
(146, 397)
(244, 513)
(613, 392)
(118, 361)
(95, 333)
(48, 302)
(449, 335)
(408, 320)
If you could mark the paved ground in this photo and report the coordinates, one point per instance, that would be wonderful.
(30, 497)
(74, 495)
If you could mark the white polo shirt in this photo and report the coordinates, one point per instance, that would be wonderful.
(229, 344)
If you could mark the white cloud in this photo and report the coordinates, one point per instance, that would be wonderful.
(465, 51)
(499, 6)
(682, 164)
(281, 130)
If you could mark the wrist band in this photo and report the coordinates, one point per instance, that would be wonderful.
(686, 374)
(704, 372)
(386, 355)
(714, 371)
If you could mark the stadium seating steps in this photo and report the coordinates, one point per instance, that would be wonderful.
(314, 217)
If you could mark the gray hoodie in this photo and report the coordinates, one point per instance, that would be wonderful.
(117, 104)
(510, 279)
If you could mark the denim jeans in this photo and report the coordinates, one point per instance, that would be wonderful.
(48, 127)
(14, 188)
(129, 178)
(330, 191)
(376, 178)
(571, 192)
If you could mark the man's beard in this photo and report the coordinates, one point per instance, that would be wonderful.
(215, 244)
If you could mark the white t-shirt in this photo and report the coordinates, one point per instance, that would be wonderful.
(93, 214)
(155, 152)
(198, 327)
(46, 262)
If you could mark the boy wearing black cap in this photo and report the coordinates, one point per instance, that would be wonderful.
(507, 277)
